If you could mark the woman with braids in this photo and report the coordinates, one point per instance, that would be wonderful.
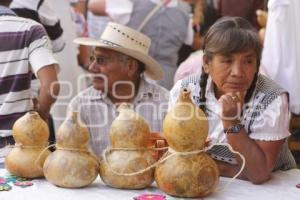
(245, 109)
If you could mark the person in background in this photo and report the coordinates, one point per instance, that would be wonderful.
(169, 27)
(41, 11)
(190, 57)
(244, 108)
(119, 65)
(190, 66)
(185, 50)
(79, 15)
(262, 16)
(29, 51)
(245, 9)
(280, 57)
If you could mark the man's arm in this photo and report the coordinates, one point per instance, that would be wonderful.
(48, 91)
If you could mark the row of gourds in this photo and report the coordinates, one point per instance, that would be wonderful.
(72, 165)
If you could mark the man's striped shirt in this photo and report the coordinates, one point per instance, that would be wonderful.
(24, 49)
(41, 11)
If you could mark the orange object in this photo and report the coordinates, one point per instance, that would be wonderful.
(158, 141)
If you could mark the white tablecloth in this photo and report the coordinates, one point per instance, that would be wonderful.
(282, 186)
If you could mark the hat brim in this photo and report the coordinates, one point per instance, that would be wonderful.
(153, 69)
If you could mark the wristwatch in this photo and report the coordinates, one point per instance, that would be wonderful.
(234, 129)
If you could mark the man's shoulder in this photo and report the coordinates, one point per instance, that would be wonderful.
(18, 19)
(20, 24)
(156, 91)
(155, 88)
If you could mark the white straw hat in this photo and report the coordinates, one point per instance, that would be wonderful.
(127, 41)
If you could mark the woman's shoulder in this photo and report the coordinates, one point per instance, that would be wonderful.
(268, 88)
(190, 82)
(266, 84)
(268, 98)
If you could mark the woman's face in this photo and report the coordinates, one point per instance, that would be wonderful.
(231, 73)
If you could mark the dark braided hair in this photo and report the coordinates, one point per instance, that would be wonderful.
(226, 36)
(203, 82)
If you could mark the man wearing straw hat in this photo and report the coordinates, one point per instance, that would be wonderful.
(167, 22)
(118, 65)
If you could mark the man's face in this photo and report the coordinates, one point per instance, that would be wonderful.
(107, 68)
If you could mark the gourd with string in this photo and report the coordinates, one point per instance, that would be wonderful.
(185, 128)
(128, 131)
(31, 134)
(71, 165)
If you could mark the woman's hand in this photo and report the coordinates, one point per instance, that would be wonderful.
(231, 108)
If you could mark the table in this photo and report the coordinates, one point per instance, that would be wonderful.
(282, 186)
